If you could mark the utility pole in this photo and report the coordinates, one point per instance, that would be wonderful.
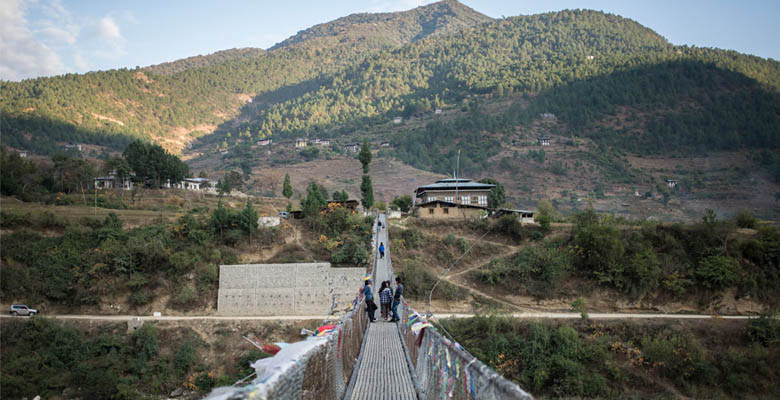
(457, 168)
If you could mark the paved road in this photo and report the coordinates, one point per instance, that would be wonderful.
(525, 315)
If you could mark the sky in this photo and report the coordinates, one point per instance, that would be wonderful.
(52, 37)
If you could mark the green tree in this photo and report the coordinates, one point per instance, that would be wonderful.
(314, 201)
(367, 192)
(365, 156)
(340, 196)
(223, 187)
(497, 195)
(287, 190)
(403, 203)
(248, 220)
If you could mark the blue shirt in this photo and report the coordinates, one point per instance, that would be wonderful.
(368, 293)
(382, 248)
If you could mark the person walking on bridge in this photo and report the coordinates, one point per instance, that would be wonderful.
(381, 249)
(399, 291)
(369, 296)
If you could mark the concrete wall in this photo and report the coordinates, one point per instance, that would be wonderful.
(285, 289)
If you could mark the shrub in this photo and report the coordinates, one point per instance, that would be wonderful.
(744, 219)
(353, 252)
(412, 238)
(717, 272)
(140, 297)
(765, 329)
(184, 358)
(185, 296)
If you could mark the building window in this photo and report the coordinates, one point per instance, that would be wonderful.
(464, 199)
(430, 211)
(474, 199)
(431, 198)
(446, 210)
(483, 200)
(449, 198)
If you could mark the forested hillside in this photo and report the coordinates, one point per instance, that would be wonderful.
(173, 107)
(599, 76)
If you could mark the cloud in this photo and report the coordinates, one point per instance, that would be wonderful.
(22, 55)
(108, 29)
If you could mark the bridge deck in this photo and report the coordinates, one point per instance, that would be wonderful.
(383, 373)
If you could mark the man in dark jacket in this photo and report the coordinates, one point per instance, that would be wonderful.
(399, 291)
(369, 295)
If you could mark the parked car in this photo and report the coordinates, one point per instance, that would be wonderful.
(21, 309)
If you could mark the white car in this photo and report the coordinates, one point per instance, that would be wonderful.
(21, 309)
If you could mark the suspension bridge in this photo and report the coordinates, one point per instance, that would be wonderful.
(352, 358)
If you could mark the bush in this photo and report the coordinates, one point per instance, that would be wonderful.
(412, 238)
(140, 297)
(185, 296)
(353, 252)
(744, 219)
(718, 272)
(184, 359)
(765, 329)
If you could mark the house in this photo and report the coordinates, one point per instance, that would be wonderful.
(113, 182)
(440, 209)
(525, 216)
(384, 144)
(223, 152)
(397, 120)
(192, 184)
(458, 191)
(672, 183)
(73, 146)
(544, 140)
(547, 115)
(23, 154)
(354, 147)
(264, 142)
(322, 142)
(437, 111)
(300, 143)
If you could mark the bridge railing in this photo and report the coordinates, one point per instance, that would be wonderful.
(316, 368)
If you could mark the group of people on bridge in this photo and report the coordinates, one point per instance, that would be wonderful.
(388, 299)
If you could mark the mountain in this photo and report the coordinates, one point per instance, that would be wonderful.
(395, 29)
(174, 103)
(219, 57)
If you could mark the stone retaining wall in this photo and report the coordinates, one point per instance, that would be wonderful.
(285, 289)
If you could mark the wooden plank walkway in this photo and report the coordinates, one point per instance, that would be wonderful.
(383, 373)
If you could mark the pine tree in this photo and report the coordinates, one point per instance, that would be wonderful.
(287, 190)
(365, 156)
(367, 192)
(248, 220)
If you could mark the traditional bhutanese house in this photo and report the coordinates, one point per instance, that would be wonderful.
(264, 142)
(352, 148)
(322, 142)
(466, 191)
(544, 140)
(397, 120)
(671, 183)
(437, 111)
(524, 216)
(113, 182)
(23, 154)
(384, 144)
(300, 143)
(440, 209)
